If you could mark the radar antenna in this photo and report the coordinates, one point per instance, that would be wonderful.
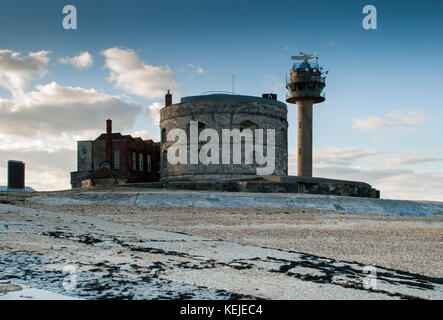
(305, 57)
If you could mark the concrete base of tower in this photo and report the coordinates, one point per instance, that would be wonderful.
(275, 184)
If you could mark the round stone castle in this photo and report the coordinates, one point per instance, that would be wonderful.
(218, 112)
(236, 113)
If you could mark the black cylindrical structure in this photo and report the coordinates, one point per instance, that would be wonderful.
(16, 175)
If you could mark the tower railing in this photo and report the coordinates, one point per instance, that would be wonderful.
(307, 78)
(307, 93)
(313, 65)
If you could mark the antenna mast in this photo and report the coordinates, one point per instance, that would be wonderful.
(232, 83)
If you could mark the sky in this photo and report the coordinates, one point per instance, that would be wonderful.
(381, 122)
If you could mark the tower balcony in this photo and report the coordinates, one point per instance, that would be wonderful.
(305, 64)
(315, 95)
(307, 77)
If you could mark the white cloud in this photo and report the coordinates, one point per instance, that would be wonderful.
(15, 143)
(371, 175)
(53, 110)
(396, 119)
(44, 170)
(393, 183)
(82, 61)
(413, 186)
(16, 70)
(332, 156)
(41, 128)
(131, 74)
(371, 123)
(154, 111)
(387, 173)
(145, 135)
(198, 70)
(412, 158)
(402, 118)
(380, 139)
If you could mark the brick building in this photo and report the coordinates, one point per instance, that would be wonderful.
(114, 158)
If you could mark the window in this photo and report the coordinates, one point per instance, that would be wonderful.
(163, 138)
(134, 161)
(148, 157)
(164, 160)
(248, 125)
(117, 159)
(140, 162)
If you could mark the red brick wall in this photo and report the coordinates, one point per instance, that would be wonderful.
(126, 146)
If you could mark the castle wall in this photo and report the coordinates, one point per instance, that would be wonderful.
(224, 112)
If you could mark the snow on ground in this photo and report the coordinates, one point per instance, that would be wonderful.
(33, 294)
(110, 260)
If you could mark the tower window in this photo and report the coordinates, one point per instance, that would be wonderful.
(149, 165)
(117, 159)
(140, 161)
(134, 161)
(248, 125)
(201, 126)
(163, 138)
(164, 160)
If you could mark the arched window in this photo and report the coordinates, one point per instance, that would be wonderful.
(117, 159)
(148, 157)
(140, 162)
(248, 125)
(164, 161)
(163, 138)
(201, 126)
(134, 161)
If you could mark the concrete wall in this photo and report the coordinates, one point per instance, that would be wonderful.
(84, 156)
(304, 152)
(224, 112)
(98, 153)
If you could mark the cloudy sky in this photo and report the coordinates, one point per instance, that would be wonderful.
(382, 121)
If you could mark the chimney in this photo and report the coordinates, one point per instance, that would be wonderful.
(109, 142)
(109, 127)
(168, 99)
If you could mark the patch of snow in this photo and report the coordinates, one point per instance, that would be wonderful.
(28, 293)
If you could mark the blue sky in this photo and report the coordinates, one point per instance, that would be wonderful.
(381, 121)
